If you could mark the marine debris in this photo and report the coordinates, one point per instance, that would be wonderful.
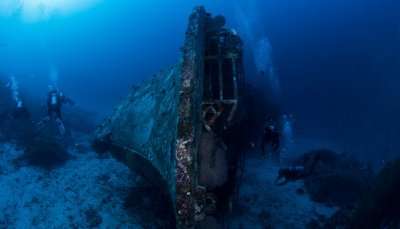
(177, 129)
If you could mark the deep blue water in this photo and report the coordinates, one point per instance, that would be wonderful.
(338, 62)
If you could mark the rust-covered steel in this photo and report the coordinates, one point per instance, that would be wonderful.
(160, 129)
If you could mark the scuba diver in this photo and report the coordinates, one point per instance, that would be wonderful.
(20, 128)
(17, 107)
(271, 138)
(55, 101)
(290, 174)
(20, 111)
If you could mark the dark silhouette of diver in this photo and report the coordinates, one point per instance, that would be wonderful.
(295, 173)
(290, 174)
(20, 111)
(20, 127)
(55, 101)
(271, 138)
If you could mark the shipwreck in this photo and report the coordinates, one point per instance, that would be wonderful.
(180, 130)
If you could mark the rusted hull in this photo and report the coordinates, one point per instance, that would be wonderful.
(158, 129)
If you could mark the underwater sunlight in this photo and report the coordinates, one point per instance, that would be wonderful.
(38, 10)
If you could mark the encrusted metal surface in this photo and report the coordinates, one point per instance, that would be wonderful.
(157, 130)
(145, 124)
(190, 122)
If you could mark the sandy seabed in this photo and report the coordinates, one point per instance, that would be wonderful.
(89, 191)
(86, 192)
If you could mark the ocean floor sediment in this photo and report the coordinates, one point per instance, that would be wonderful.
(86, 192)
(264, 204)
(92, 191)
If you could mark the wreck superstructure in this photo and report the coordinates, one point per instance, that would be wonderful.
(172, 129)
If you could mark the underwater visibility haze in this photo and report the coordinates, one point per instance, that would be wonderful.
(199, 114)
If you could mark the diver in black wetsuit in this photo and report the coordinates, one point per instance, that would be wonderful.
(55, 101)
(20, 111)
(295, 173)
(271, 138)
(289, 174)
